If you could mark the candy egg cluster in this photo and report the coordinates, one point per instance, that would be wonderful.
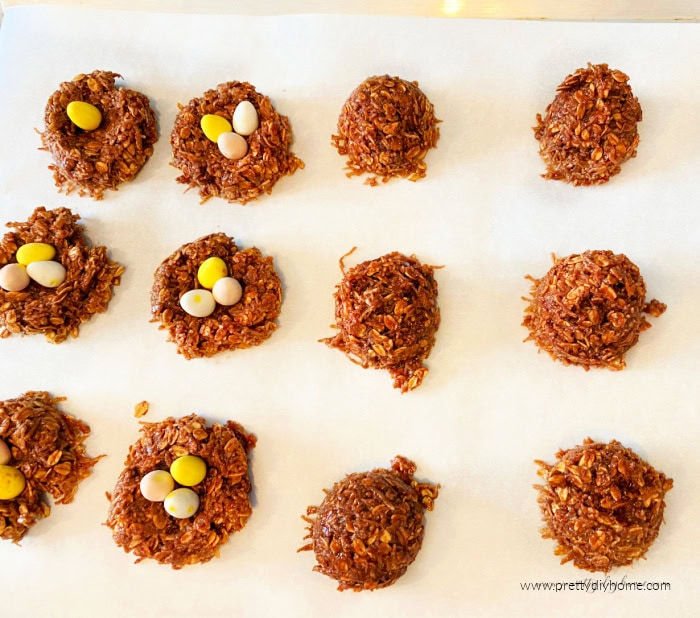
(230, 136)
(159, 486)
(35, 261)
(12, 481)
(217, 287)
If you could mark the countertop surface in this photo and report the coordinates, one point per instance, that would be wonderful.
(490, 404)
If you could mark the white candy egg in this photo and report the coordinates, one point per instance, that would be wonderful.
(198, 303)
(5, 454)
(13, 277)
(245, 118)
(227, 291)
(156, 485)
(48, 273)
(181, 503)
(232, 145)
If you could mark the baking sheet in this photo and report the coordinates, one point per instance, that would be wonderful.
(490, 404)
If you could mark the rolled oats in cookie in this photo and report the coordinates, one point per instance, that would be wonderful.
(590, 128)
(46, 447)
(386, 127)
(62, 292)
(387, 314)
(214, 162)
(246, 323)
(588, 310)
(369, 527)
(602, 504)
(170, 529)
(99, 134)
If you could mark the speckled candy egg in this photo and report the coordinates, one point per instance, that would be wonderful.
(198, 303)
(156, 485)
(49, 274)
(181, 503)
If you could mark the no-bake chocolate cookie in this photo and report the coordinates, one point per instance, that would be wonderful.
(92, 160)
(247, 322)
(265, 157)
(590, 128)
(588, 310)
(385, 128)
(87, 275)
(602, 504)
(46, 447)
(145, 528)
(369, 527)
(386, 313)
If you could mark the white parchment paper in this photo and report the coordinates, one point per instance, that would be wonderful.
(490, 404)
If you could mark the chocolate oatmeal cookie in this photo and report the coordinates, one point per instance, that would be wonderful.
(602, 504)
(91, 161)
(56, 312)
(242, 325)
(386, 127)
(46, 446)
(369, 527)
(144, 527)
(386, 313)
(588, 310)
(590, 128)
(201, 162)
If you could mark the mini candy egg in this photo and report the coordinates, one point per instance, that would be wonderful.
(232, 145)
(188, 470)
(13, 277)
(210, 271)
(214, 125)
(83, 115)
(50, 274)
(12, 482)
(198, 303)
(156, 485)
(227, 291)
(181, 503)
(5, 453)
(245, 118)
(35, 252)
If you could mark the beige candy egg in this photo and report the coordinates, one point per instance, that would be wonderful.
(227, 291)
(13, 277)
(232, 145)
(156, 485)
(5, 453)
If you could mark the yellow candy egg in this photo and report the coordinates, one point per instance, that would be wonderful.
(156, 485)
(5, 453)
(83, 115)
(188, 470)
(214, 125)
(211, 270)
(12, 482)
(181, 503)
(35, 252)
